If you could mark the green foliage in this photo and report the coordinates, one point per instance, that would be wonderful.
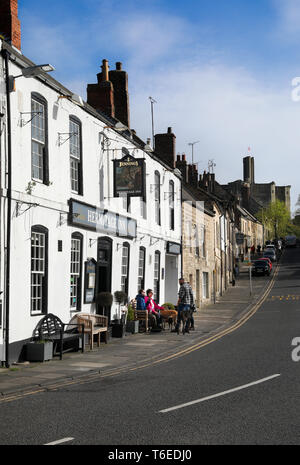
(275, 218)
(130, 313)
(168, 306)
(294, 229)
(105, 299)
(120, 297)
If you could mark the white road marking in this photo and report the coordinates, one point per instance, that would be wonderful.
(219, 394)
(60, 441)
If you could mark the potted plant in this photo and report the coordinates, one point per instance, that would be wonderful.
(132, 325)
(104, 299)
(39, 351)
(121, 298)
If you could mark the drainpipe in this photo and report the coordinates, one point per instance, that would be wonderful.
(181, 240)
(8, 196)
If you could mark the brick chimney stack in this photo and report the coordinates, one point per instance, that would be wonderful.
(101, 95)
(193, 175)
(119, 79)
(165, 146)
(10, 27)
(182, 165)
(248, 163)
(207, 181)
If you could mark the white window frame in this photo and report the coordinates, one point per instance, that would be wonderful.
(124, 267)
(38, 268)
(141, 267)
(38, 139)
(75, 272)
(75, 155)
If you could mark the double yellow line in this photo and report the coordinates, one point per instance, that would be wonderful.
(223, 333)
(181, 353)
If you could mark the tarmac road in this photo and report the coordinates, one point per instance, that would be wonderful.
(241, 389)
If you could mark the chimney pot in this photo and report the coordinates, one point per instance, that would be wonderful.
(119, 66)
(104, 70)
(178, 157)
(10, 26)
(169, 130)
(183, 157)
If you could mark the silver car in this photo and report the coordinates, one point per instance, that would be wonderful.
(271, 254)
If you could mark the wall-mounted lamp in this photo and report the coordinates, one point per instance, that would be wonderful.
(61, 221)
(118, 126)
(148, 148)
(28, 72)
(75, 98)
(64, 136)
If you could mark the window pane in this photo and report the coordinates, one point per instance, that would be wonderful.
(37, 271)
(37, 154)
(75, 272)
(74, 140)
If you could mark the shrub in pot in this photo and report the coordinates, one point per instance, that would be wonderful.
(121, 298)
(104, 299)
(132, 325)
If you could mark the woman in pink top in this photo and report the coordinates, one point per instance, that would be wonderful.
(152, 307)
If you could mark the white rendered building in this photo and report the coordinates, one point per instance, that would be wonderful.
(64, 235)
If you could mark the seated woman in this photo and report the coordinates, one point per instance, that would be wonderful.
(153, 308)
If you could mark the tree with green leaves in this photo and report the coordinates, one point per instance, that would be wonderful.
(275, 218)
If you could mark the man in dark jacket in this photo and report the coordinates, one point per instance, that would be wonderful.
(185, 300)
(140, 300)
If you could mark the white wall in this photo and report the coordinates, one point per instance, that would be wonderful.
(53, 199)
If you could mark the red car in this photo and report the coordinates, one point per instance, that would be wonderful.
(267, 260)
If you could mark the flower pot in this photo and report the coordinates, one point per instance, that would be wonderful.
(118, 330)
(39, 351)
(132, 326)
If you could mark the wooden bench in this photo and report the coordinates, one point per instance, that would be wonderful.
(93, 325)
(64, 338)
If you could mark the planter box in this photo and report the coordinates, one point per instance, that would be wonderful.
(118, 330)
(39, 352)
(132, 326)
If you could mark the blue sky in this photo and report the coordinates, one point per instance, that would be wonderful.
(220, 71)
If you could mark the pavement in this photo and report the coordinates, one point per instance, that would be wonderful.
(136, 350)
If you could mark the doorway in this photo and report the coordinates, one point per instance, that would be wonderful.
(103, 273)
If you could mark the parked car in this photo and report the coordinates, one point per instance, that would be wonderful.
(261, 267)
(271, 254)
(266, 259)
(291, 241)
(270, 246)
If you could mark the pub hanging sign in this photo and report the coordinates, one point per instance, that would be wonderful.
(129, 177)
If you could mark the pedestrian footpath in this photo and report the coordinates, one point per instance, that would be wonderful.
(135, 351)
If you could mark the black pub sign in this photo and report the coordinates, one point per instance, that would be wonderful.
(129, 177)
(99, 220)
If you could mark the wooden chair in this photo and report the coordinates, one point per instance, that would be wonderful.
(142, 315)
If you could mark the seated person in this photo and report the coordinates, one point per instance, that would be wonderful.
(140, 300)
(153, 308)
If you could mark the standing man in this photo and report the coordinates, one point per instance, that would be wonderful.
(185, 300)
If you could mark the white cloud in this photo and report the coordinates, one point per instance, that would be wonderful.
(227, 110)
(289, 17)
(200, 95)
